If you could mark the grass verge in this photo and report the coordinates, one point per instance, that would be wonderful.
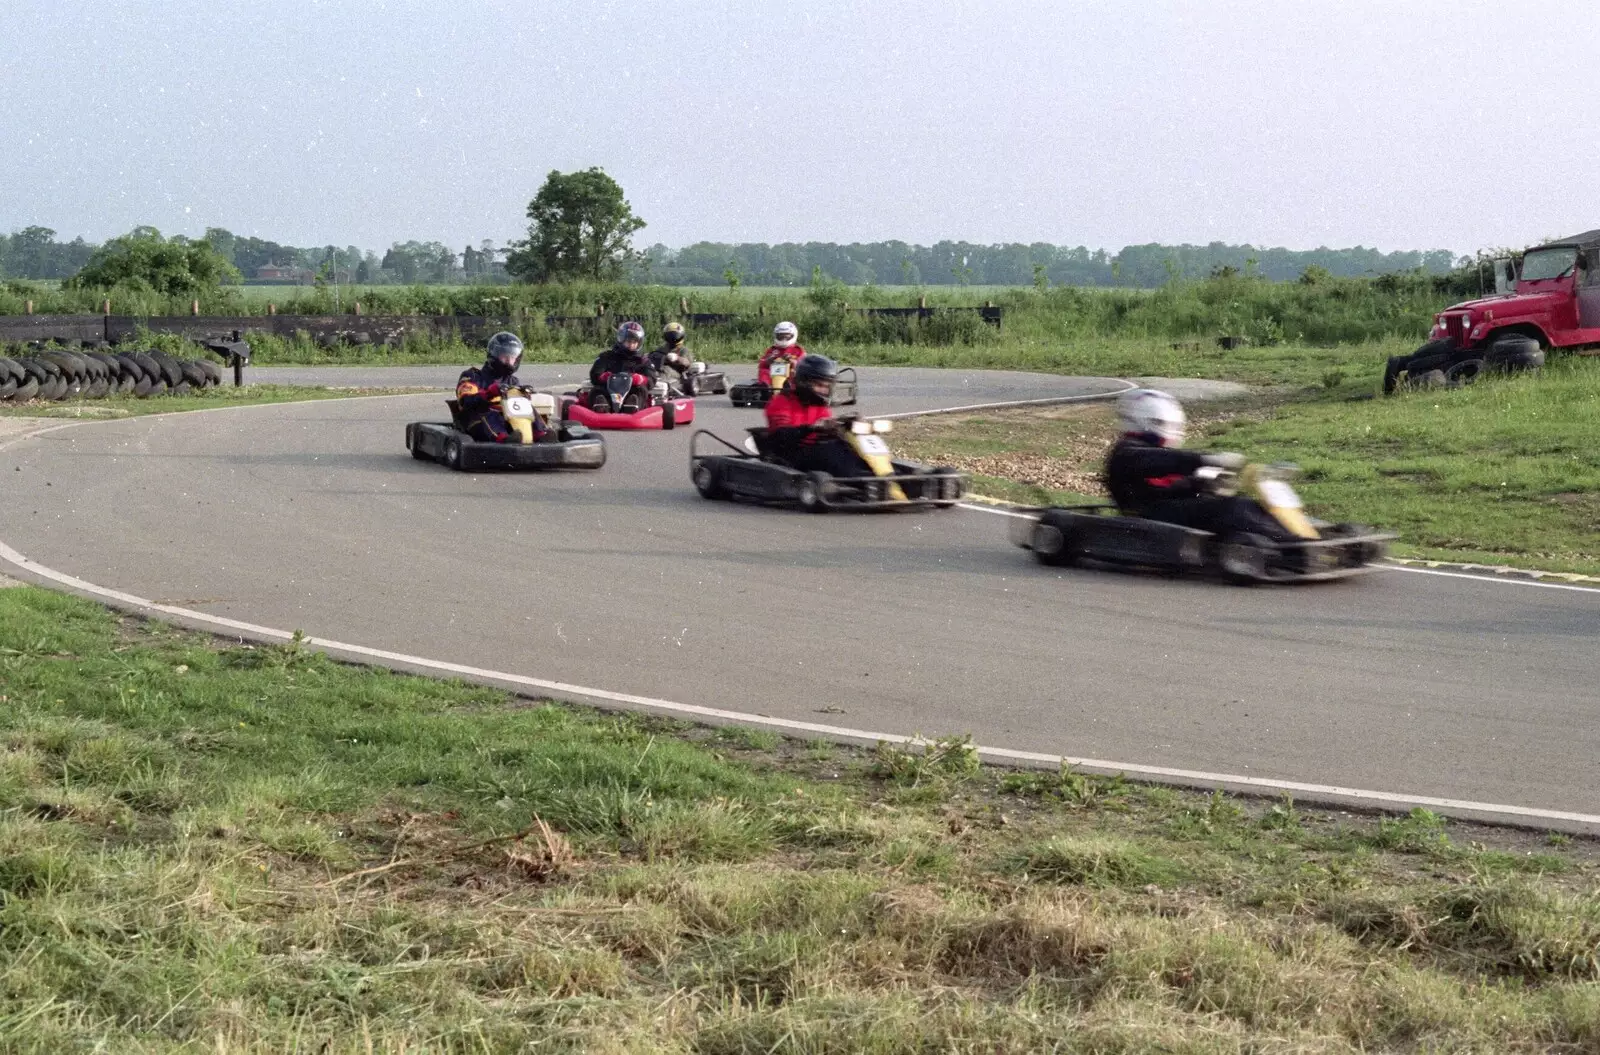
(220, 396)
(256, 849)
(1502, 472)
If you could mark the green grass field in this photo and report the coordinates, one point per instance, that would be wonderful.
(204, 399)
(228, 849)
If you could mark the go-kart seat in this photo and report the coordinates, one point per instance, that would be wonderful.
(760, 437)
(455, 412)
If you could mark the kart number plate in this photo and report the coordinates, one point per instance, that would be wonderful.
(519, 406)
(1280, 494)
(780, 370)
(871, 444)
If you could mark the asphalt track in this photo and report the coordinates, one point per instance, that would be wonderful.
(313, 516)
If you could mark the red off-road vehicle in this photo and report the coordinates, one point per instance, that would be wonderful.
(1553, 303)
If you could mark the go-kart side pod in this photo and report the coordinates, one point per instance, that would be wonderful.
(442, 442)
(740, 475)
(1098, 534)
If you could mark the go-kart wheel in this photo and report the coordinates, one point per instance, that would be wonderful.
(708, 482)
(1052, 546)
(452, 452)
(1242, 558)
(811, 492)
(669, 415)
(413, 446)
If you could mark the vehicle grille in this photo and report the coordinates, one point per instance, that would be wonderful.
(1456, 327)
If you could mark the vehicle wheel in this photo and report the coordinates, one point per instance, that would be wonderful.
(1242, 558)
(8, 388)
(1051, 545)
(192, 373)
(1514, 354)
(669, 416)
(811, 491)
(1464, 372)
(1426, 379)
(708, 482)
(452, 452)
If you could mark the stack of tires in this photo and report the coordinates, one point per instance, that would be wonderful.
(53, 374)
(1441, 362)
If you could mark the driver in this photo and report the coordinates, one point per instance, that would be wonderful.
(482, 388)
(624, 356)
(1151, 476)
(785, 347)
(800, 426)
(672, 354)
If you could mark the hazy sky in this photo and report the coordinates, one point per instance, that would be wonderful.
(1395, 123)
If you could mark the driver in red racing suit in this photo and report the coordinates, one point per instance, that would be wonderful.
(481, 391)
(1151, 476)
(785, 347)
(800, 426)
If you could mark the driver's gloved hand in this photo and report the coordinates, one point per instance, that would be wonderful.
(1226, 460)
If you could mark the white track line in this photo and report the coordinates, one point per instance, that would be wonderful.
(1492, 577)
(580, 693)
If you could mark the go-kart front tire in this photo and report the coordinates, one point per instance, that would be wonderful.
(811, 492)
(1242, 558)
(669, 416)
(452, 452)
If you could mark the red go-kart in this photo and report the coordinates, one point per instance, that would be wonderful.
(627, 401)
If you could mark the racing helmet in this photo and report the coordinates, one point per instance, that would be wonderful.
(672, 333)
(1151, 412)
(785, 334)
(505, 354)
(808, 372)
(630, 333)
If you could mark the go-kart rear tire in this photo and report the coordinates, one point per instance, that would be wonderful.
(452, 452)
(1242, 558)
(1053, 546)
(811, 491)
(669, 416)
(709, 482)
(413, 446)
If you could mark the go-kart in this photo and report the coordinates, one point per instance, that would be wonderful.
(698, 379)
(755, 394)
(753, 473)
(566, 445)
(628, 401)
(1098, 533)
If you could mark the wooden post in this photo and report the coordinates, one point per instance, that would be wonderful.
(272, 309)
(922, 301)
(358, 307)
(600, 309)
(683, 305)
(105, 306)
(988, 303)
(194, 306)
(28, 308)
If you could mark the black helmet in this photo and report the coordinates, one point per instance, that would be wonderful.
(810, 369)
(505, 354)
(672, 333)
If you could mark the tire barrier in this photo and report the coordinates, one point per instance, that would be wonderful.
(61, 374)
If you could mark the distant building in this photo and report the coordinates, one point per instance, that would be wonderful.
(284, 273)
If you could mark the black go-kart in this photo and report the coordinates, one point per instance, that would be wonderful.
(752, 473)
(755, 394)
(1097, 533)
(566, 445)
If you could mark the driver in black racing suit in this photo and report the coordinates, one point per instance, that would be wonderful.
(481, 390)
(1151, 476)
(673, 355)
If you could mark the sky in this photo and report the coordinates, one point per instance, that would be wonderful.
(1399, 124)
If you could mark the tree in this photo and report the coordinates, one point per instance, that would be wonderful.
(580, 226)
(143, 260)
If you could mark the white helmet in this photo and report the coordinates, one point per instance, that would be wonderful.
(785, 334)
(1147, 411)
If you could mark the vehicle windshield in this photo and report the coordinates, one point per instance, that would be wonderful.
(1548, 263)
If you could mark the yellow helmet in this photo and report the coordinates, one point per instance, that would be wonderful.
(672, 333)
